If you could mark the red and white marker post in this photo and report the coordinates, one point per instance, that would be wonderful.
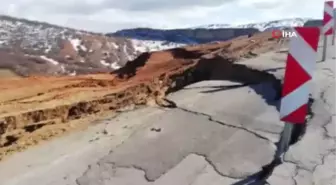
(300, 65)
(334, 35)
(328, 25)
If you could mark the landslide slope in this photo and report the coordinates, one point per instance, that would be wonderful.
(36, 108)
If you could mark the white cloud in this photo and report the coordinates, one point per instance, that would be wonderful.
(259, 3)
(111, 15)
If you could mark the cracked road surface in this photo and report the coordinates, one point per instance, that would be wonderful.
(202, 140)
(220, 133)
(312, 161)
(210, 137)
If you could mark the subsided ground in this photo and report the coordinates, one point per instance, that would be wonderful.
(209, 135)
(38, 108)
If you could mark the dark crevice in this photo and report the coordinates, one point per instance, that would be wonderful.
(295, 175)
(297, 133)
(214, 167)
(10, 140)
(325, 130)
(210, 118)
(170, 104)
(206, 70)
(220, 87)
(219, 68)
(260, 178)
(300, 129)
(32, 128)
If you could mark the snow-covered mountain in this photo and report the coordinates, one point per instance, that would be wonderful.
(284, 23)
(203, 34)
(261, 26)
(146, 39)
(30, 47)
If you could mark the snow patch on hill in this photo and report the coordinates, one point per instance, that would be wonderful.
(54, 62)
(29, 35)
(262, 26)
(151, 45)
(115, 66)
(77, 44)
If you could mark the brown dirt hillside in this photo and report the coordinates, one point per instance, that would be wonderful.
(35, 109)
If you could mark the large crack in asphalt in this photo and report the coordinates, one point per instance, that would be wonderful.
(210, 118)
(255, 178)
(259, 178)
(323, 157)
(330, 117)
(299, 132)
(296, 135)
(322, 96)
(204, 156)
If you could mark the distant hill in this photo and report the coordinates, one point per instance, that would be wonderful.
(313, 23)
(185, 36)
(205, 33)
(31, 47)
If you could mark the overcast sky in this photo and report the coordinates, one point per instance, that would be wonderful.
(112, 15)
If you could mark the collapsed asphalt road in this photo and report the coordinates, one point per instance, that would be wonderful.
(219, 133)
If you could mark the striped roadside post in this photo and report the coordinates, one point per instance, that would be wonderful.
(328, 25)
(333, 40)
(300, 65)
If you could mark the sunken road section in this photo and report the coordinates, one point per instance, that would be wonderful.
(36, 108)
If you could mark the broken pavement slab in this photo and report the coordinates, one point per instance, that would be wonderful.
(253, 108)
(271, 62)
(230, 150)
(193, 170)
(283, 174)
(63, 160)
